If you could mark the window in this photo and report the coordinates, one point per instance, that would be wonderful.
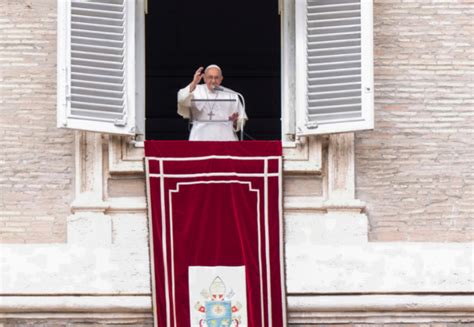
(334, 66)
(244, 39)
(327, 73)
(97, 66)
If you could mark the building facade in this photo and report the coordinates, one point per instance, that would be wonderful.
(378, 224)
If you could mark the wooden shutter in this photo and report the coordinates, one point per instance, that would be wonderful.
(96, 65)
(334, 62)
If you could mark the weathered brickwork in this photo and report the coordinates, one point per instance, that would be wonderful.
(36, 163)
(416, 169)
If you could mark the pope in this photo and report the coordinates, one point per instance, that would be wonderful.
(215, 112)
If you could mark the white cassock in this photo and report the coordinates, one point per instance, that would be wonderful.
(211, 118)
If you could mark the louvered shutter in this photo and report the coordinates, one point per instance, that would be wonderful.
(334, 63)
(96, 65)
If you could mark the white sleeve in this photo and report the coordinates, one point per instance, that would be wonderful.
(242, 116)
(184, 102)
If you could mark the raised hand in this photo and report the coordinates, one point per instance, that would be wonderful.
(197, 78)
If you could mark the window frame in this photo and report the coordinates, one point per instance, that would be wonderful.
(300, 105)
(293, 71)
(133, 123)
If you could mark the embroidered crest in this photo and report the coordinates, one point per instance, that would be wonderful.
(218, 309)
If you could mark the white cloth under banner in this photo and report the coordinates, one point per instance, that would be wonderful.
(210, 112)
(217, 296)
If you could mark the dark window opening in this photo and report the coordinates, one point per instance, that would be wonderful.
(242, 37)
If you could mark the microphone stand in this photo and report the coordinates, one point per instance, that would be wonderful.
(240, 96)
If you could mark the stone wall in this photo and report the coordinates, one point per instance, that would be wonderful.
(36, 158)
(149, 323)
(415, 170)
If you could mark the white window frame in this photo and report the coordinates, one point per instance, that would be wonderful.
(288, 67)
(134, 120)
(298, 114)
(293, 74)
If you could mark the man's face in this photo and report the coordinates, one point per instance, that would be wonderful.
(213, 78)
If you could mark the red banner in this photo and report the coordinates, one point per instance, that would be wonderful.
(216, 241)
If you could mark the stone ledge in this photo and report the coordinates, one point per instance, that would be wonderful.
(127, 204)
(380, 308)
(75, 269)
(77, 319)
(302, 309)
(69, 304)
(315, 204)
(111, 205)
(377, 267)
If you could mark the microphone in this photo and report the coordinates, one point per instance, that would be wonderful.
(240, 96)
(226, 90)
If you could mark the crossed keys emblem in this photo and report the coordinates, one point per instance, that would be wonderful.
(218, 309)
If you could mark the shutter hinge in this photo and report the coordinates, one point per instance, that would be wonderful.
(67, 85)
(311, 125)
(120, 123)
(68, 93)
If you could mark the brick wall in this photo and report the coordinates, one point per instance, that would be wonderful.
(36, 164)
(416, 169)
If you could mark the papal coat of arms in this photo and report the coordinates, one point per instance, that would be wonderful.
(218, 309)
